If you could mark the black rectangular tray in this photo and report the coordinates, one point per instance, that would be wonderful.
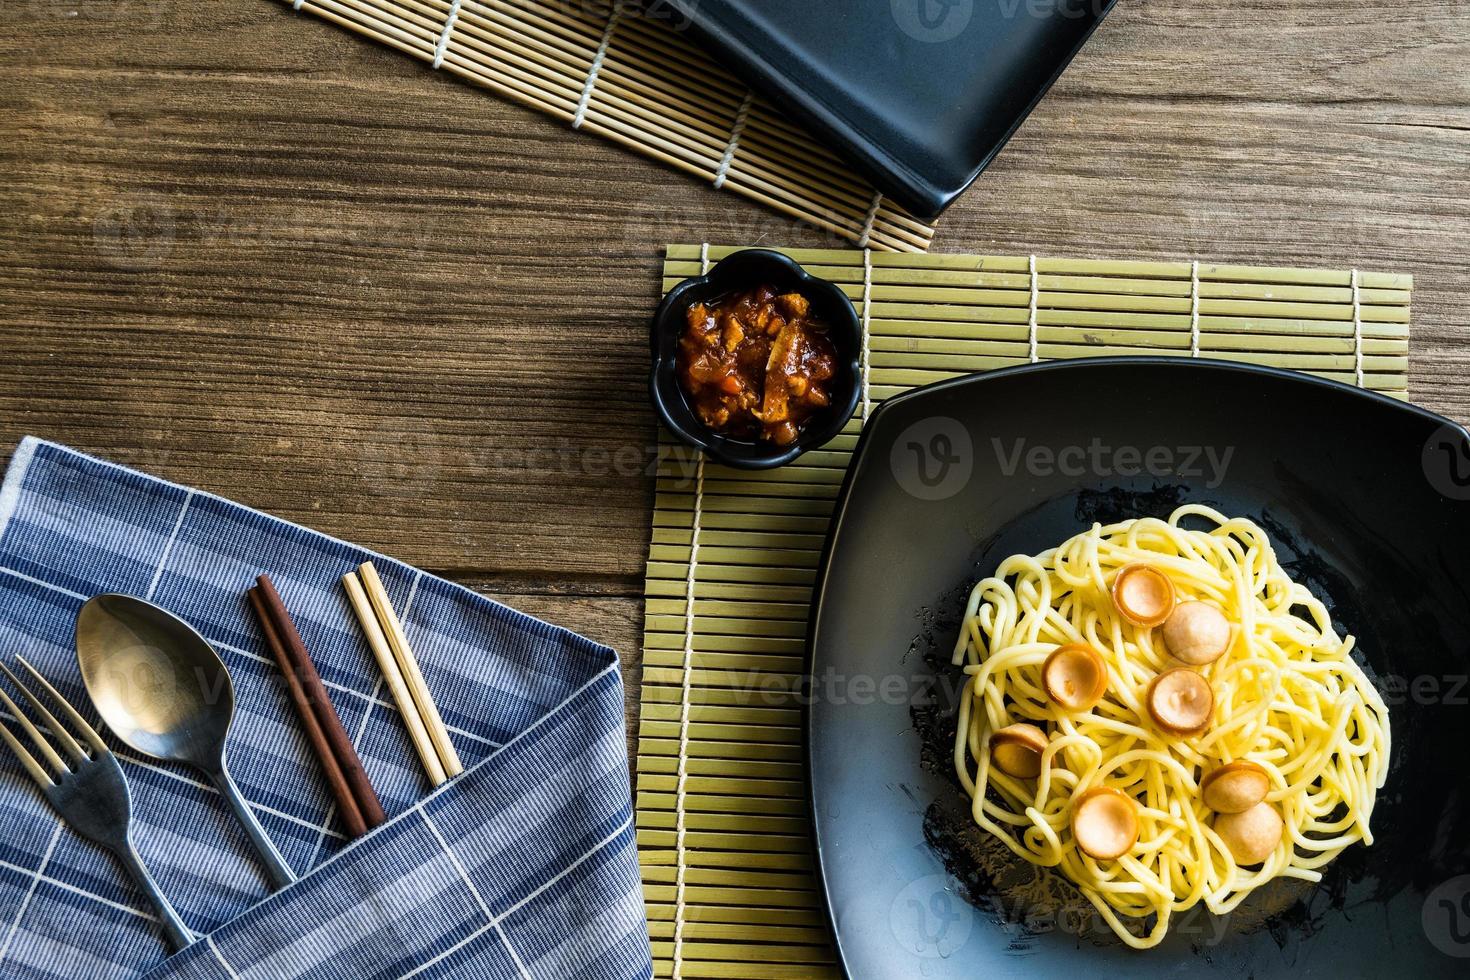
(918, 94)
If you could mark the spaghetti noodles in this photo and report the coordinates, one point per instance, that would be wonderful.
(1293, 745)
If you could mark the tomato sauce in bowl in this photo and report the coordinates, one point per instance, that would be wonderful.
(755, 361)
(756, 364)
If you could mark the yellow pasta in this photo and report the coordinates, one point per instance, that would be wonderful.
(1287, 696)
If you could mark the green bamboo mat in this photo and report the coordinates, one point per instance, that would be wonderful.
(722, 814)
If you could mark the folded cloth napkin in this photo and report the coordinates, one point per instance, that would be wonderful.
(524, 866)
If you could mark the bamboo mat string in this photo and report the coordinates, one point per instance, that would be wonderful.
(867, 332)
(872, 216)
(596, 68)
(443, 44)
(1357, 329)
(1031, 328)
(686, 685)
(735, 130)
(1194, 309)
(296, 4)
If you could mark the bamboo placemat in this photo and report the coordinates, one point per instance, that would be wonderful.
(615, 69)
(722, 814)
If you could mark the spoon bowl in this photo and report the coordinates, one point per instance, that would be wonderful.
(157, 683)
(164, 692)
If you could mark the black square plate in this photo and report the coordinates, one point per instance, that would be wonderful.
(918, 94)
(1367, 502)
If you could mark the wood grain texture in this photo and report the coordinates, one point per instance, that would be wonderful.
(251, 252)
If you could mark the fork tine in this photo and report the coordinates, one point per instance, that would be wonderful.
(31, 765)
(88, 732)
(47, 752)
(62, 735)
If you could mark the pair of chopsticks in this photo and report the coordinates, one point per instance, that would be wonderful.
(356, 800)
(401, 670)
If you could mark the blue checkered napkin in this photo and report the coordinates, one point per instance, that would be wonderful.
(524, 866)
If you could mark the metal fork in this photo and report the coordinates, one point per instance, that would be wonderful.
(91, 793)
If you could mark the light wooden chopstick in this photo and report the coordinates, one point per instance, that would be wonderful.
(388, 663)
(409, 665)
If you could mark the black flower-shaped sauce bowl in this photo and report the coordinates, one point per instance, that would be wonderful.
(739, 271)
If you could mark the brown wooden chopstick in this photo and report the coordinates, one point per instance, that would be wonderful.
(341, 792)
(326, 715)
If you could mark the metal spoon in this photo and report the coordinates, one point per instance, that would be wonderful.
(163, 690)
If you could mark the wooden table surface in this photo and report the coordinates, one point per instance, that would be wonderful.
(243, 249)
